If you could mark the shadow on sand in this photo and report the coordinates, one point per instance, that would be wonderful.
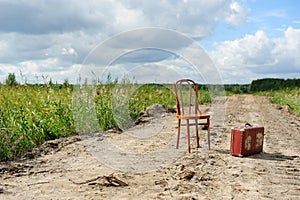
(272, 156)
(263, 155)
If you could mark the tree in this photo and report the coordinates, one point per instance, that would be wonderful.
(11, 80)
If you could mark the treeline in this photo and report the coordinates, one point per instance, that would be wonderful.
(261, 85)
(273, 84)
(12, 82)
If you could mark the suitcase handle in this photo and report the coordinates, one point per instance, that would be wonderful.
(248, 125)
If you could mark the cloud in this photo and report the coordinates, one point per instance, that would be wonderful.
(43, 17)
(236, 14)
(296, 21)
(68, 51)
(255, 56)
(40, 17)
(40, 71)
(40, 33)
(124, 54)
(194, 17)
(277, 13)
(165, 71)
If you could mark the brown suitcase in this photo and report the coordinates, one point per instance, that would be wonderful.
(247, 140)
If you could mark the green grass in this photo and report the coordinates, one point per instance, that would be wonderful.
(30, 115)
(289, 97)
(283, 97)
(33, 114)
(149, 94)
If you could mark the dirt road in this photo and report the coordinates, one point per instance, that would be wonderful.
(68, 169)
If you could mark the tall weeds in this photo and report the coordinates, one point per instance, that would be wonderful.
(33, 114)
(289, 97)
(30, 115)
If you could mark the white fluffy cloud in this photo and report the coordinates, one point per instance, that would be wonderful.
(255, 56)
(236, 14)
(195, 17)
(52, 38)
(37, 33)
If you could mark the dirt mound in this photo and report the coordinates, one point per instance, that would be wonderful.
(50, 147)
(156, 110)
(153, 112)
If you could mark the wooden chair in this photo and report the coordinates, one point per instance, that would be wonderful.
(186, 92)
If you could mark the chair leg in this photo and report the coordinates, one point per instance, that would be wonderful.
(208, 134)
(188, 135)
(178, 133)
(197, 134)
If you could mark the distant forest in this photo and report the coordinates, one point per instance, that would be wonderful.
(273, 84)
(260, 85)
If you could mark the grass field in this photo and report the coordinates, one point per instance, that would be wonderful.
(289, 97)
(33, 114)
(30, 115)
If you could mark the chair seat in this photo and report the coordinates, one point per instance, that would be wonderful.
(193, 116)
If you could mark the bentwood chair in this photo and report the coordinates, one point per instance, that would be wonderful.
(187, 105)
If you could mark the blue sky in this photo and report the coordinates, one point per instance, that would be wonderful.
(245, 39)
(271, 16)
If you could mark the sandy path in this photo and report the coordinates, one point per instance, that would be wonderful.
(273, 174)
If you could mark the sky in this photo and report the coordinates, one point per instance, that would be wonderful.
(216, 41)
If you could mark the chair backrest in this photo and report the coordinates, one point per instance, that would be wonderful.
(186, 91)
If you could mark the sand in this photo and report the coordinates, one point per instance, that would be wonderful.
(143, 163)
